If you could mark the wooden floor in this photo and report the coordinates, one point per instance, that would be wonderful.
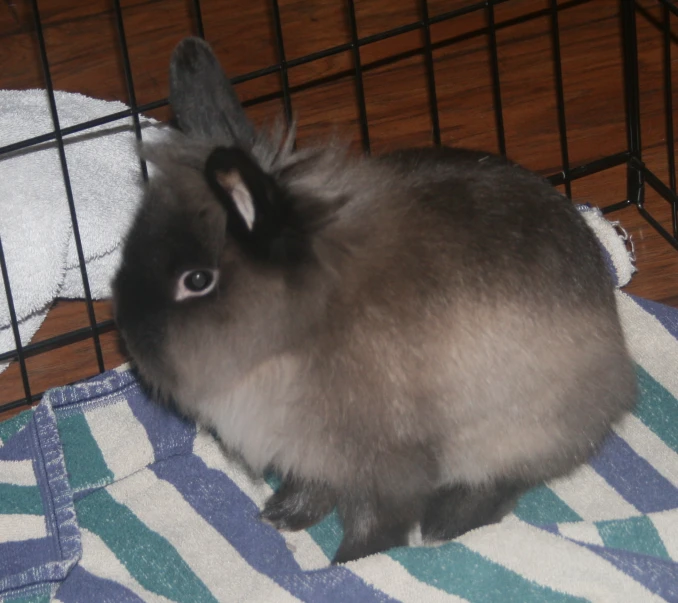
(84, 53)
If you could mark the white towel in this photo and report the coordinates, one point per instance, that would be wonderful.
(615, 241)
(35, 223)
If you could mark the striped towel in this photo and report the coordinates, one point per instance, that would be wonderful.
(105, 496)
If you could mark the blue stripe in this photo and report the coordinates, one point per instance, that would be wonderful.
(657, 575)
(18, 447)
(235, 516)
(168, 433)
(551, 528)
(11, 426)
(666, 315)
(16, 557)
(82, 587)
(634, 478)
(38, 593)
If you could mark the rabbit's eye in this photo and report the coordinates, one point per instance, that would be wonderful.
(195, 283)
(198, 280)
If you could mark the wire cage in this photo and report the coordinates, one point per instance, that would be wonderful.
(462, 51)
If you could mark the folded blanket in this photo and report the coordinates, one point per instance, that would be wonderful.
(106, 496)
(35, 223)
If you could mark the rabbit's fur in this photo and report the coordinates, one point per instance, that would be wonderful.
(416, 338)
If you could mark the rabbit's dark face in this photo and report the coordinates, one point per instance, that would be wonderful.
(172, 268)
(213, 257)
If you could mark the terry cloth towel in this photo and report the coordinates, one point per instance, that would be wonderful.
(35, 223)
(106, 496)
(616, 243)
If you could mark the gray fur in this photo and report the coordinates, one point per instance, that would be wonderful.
(453, 337)
(203, 98)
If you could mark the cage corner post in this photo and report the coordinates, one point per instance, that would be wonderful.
(635, 181)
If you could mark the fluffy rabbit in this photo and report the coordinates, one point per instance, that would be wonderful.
(415, 339)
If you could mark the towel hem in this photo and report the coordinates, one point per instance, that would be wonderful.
(58, 507)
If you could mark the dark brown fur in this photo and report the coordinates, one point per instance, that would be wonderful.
(443, 337)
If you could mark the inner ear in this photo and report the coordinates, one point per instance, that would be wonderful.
(232, 183)
(260, 217)
(245, 191)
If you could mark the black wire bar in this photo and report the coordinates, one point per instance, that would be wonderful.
(668, 111)
(560, 97)
(67, 183)
(430, 74)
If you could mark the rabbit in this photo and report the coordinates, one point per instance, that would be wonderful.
(414, 339)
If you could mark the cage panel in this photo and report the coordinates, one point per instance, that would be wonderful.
(262, 97)
(9, 21)
(79, 51)
(401, 85)
(464, 82)
(19, 61)
(309, 27)
(372, 19)
(242, 37)
(440, 8)
(113, 349)
(658, 207)
(72, 315)
(11, 384)
(53, 12)
(593, 90)
(149, 45)
(325, 101)
(322, 69)
(485, 75)
(508, 12)
(652, 101)
(656, 276)
(530, 120)
(65, 365)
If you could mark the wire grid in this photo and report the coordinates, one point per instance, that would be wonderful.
(638, 174)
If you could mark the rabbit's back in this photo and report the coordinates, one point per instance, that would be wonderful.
(477, 316)
(510, 229)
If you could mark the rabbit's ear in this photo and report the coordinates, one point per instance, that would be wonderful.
(203, 100)
(246, 192)
(259, 214)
